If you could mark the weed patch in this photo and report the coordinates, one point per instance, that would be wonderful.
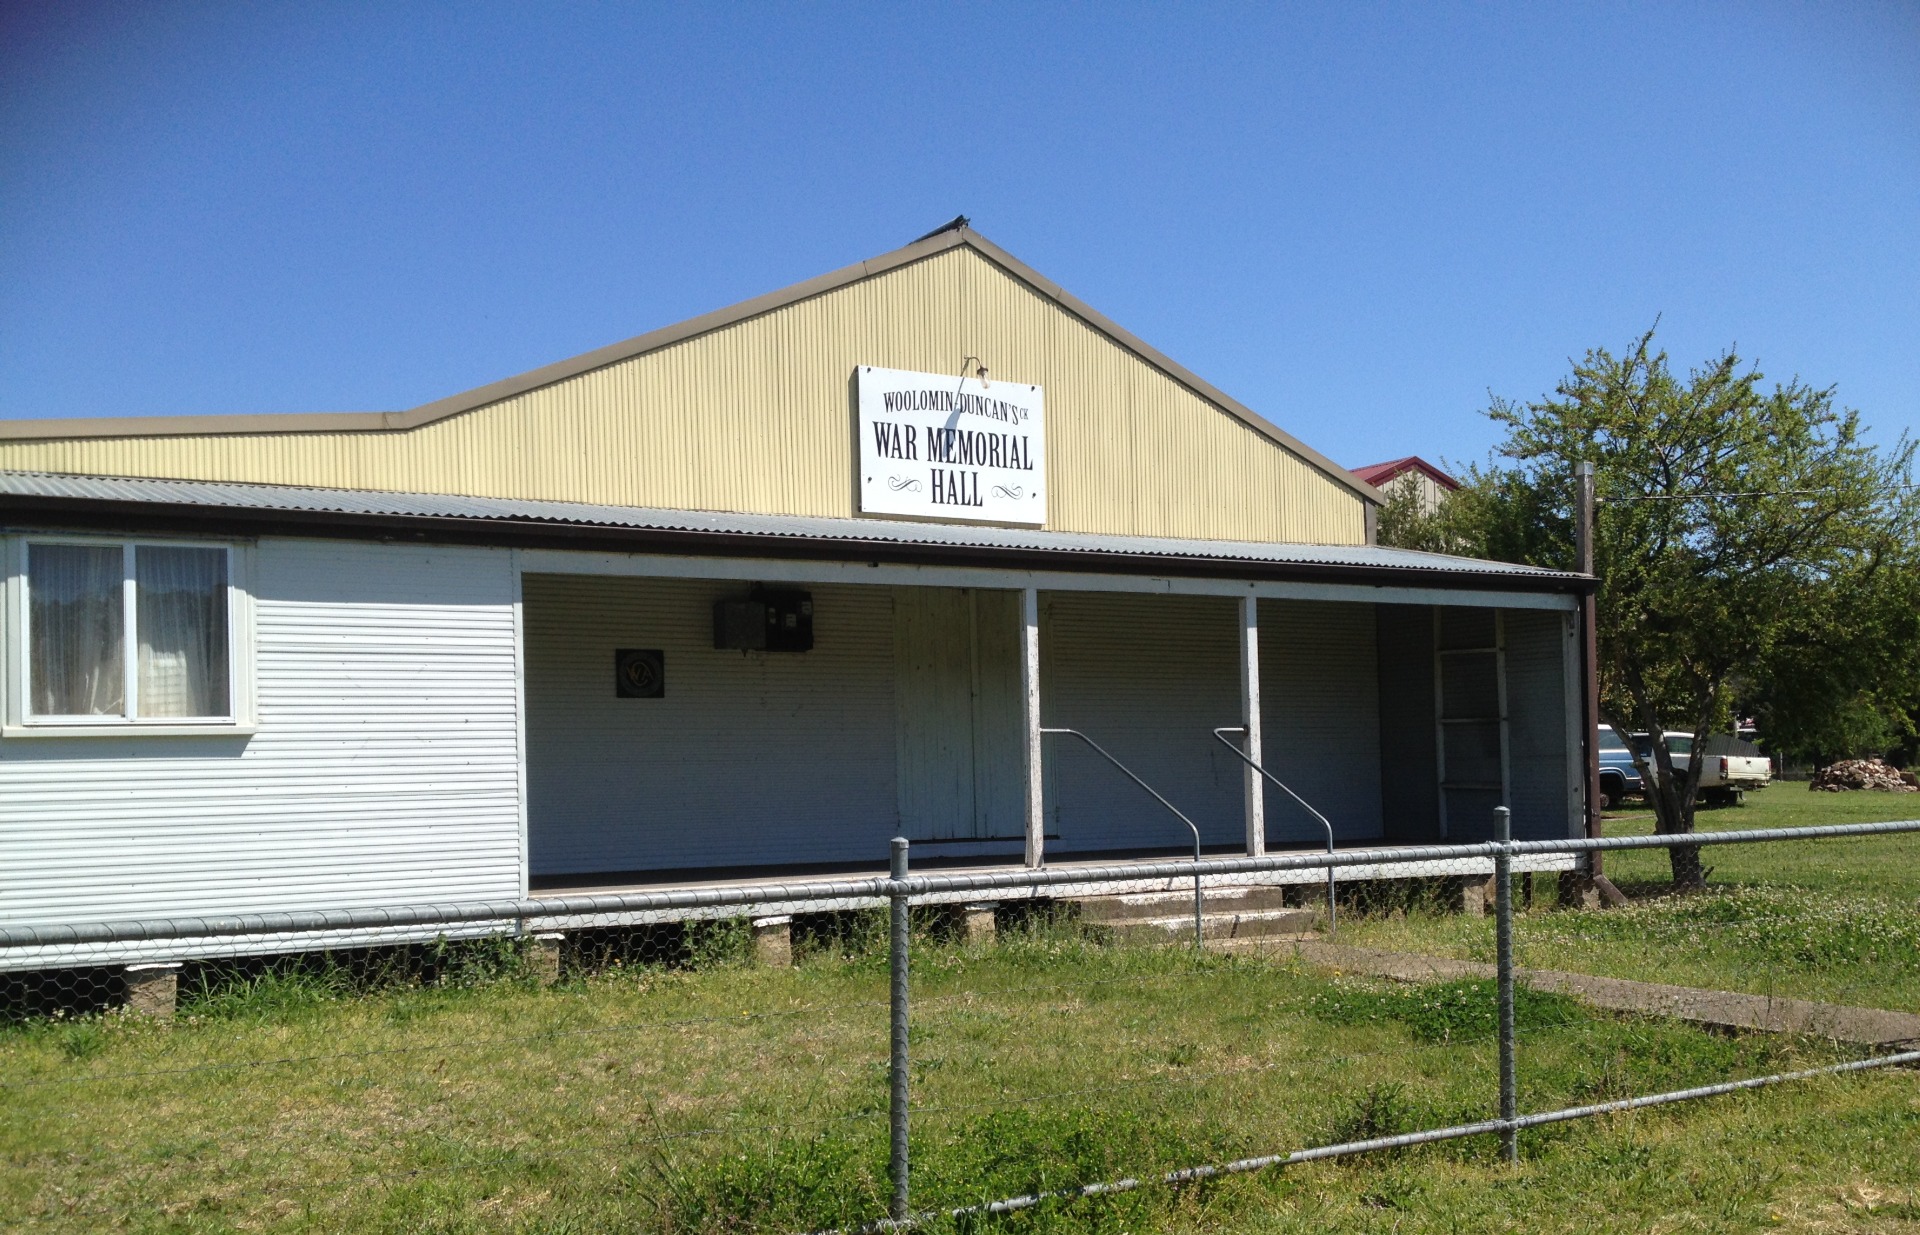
(1775, 926)
(282, 987)
(792, 1183)
(1462, 1011)
(838, 1179)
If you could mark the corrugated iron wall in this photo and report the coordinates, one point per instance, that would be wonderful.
(1148, 677)
(1409, 769)
(750, 759)
(1543, 775)
(1473, 759)
(758, 417)
(385, 769)
(1541, 768)
(1320, 716)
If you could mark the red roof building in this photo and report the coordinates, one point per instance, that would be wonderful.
(1428, 482)
(1380, 475)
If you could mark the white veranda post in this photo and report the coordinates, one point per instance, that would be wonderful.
(1250, 721)
(1030, 710)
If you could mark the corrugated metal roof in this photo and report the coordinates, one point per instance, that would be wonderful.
(227, 496)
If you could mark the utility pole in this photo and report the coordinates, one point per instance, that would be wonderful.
(1585, 503)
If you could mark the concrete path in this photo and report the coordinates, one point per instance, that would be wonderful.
(1721, 1009)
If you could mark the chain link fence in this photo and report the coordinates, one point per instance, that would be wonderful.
(944, 1050)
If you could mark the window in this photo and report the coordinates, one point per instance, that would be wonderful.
(120, 633)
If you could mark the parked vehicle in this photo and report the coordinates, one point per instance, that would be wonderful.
(1618, 776)
(1732, 765)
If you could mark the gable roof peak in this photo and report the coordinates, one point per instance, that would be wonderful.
(958, 223)
(956, 234)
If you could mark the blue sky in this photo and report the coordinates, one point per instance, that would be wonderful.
(1357, 219)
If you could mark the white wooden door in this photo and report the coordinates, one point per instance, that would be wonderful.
(957, 694)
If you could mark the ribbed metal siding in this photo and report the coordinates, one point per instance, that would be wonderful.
(750, 759)
(383, 771)
(1538, 707)
(1320, 712)
(1147, 677)
(755, 418)
(1409, 772)
(1472, 737)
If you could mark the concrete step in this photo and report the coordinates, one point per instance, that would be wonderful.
(1255, 924)
(1144, 906)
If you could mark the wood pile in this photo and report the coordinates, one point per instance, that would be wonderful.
(1864, 774)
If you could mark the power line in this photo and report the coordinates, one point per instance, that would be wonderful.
(1702, 497)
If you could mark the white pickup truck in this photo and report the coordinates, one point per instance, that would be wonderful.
(1732, 765)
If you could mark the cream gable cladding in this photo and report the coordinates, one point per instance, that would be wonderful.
(757, 416)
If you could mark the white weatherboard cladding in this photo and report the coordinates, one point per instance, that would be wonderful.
(935, 446)
(1320, 710)
(1149, 678)
(384, 769)
(750, 759)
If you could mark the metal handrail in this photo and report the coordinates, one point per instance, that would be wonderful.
(1220, 734)
(1191, 825)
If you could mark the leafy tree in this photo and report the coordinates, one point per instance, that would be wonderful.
(1738, 527)
(1406, 523)
(1844, 677)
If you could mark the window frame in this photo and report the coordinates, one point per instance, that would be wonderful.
(21, 722)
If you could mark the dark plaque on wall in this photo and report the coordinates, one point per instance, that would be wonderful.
(640, 673)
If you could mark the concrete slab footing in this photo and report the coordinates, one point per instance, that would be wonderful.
(543, 957)
(977, 924)
(773, 942)
(153, 989)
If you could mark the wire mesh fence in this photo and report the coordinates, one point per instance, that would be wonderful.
(743, 1072)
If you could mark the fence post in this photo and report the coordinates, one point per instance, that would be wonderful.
(898, 938)
(1503, 945)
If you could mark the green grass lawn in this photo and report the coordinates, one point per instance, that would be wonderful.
(735, 1099)
(1835, 920)
(1872, 866)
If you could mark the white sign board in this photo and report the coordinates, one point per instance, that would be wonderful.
(935, 446)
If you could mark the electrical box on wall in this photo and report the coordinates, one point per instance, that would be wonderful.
(768, 620)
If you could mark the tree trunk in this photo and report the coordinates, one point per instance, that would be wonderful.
(1688, 873)
(1672, 796)
(1672, 817)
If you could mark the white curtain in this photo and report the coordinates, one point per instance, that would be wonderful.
(180, 603)
(76, 630)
